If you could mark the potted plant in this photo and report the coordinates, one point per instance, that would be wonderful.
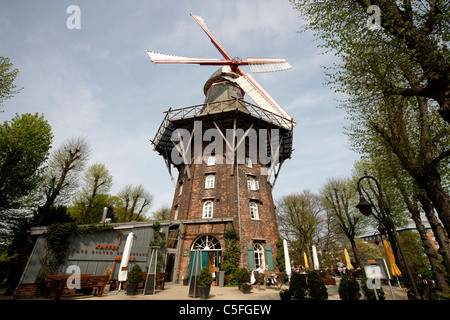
(108, 272)
(204, 281)
(349, 289)
(285, 294)
(316, 287)
(186, 280)
(246, 287)
(297, 286)
(243, 277)
(134, 277)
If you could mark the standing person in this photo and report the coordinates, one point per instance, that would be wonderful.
(340, 265)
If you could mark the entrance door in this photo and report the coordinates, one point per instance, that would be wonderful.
(209, 254)
(170, 264)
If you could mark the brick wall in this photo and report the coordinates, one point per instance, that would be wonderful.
(224, 196)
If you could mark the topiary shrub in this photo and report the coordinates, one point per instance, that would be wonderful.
(316, 287)
(242, 275)
(297, 286)
(349, 289)
(135, 275)
(204, 278)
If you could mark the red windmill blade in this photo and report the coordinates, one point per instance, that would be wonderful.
(250, 86)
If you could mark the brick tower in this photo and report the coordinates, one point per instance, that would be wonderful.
(228, 153)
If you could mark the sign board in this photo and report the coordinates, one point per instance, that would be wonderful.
(374, 264)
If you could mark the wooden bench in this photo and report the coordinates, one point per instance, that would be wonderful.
(161, 279)
(95, 283)
(56, 284)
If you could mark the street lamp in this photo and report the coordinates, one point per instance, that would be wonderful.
(365, 207)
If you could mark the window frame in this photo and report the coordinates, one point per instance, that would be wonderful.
(210, 181)
(254, 211)
(208, 209)
(211, 161)
(259, 255)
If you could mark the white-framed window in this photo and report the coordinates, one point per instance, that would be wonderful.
(252, 183)
(258, 252)
(180, 192)
(209, 181)
(254, 214)
(177, 209)
(211, 160)
(248, 162)
(208, 209)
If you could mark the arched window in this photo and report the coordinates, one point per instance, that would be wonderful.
(207, 243)
(177, 210)
(208, 209)
(209, 181)
(258, 252)
(180, 188)
(254, 215)
(252, 183)
(248, 162)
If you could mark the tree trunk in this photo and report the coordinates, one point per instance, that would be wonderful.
(355, 251)
(438, 271)
(439, 232)
(431, 183)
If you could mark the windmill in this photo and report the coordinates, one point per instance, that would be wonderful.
(225, 187)
(235, 74)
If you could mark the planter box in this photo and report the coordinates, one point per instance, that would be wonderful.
(131, 289)
(204, 292)
(245, 288)
(329, 281)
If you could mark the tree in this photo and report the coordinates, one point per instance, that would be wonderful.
(59, 182)
(231, 254)
(339, 199)
(416, 33)
(92, 197)
(394, 82)
(25, 142)
(136, 200)
(401, 186)
(299, 217)
(163, 213)
(7, 77)
(62, 174)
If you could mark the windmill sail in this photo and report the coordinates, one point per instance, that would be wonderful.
(216, 43)
(260, 96)
(267, 65)
(253, 89)
(157, 57)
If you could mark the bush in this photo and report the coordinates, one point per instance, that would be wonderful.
(204, 278)
(349, 289)
(298, 286)
(316, 287)
(242, 275)
(135, 275)
(369, 294)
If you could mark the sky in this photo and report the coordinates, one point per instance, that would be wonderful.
(98, 81)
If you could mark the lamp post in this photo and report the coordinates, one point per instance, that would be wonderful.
(365, 207)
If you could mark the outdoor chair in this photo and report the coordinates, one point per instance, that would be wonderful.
(279, 281)
(260, 284)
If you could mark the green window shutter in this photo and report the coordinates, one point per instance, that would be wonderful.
(251, 261)
(269, 257)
